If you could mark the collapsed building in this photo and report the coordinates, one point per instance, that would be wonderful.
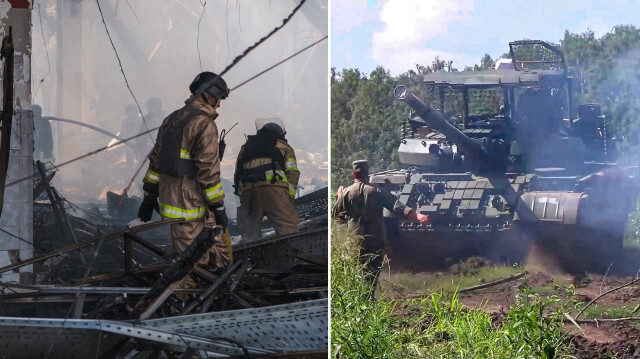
(80, 275)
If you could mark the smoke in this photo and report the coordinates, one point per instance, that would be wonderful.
(161, 52)
(619, 93)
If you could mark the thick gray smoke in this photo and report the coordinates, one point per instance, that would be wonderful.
(161, 52)
(620, 93)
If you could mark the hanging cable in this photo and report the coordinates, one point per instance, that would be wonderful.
(226, 23)
(246, 52)
(254, 46)
(122, 70)
(204, 7)
(295, 83)
(133, 11)
(89, 154)
(23, 240)
(239, 24)
(46, 51)
(279, 63)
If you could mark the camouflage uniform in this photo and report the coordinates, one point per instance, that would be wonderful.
(360, 206)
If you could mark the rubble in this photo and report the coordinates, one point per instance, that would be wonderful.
(271, 301)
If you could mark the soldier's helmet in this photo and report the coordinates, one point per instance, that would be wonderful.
(211, 83)
(361, 168)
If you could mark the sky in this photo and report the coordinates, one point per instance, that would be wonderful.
(397, 34)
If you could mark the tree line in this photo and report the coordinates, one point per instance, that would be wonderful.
(366, 120)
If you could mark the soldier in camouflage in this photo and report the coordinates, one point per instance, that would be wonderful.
(360, 207)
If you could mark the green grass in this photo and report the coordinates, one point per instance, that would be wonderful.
(603, 311)
(437, 325)
(545, 291)
(446, 282)
(631, 243)
(357, 320)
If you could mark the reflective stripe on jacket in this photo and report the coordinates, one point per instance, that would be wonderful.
(287, 178)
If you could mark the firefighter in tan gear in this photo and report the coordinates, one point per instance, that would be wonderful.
(266, 179)
(183, 179)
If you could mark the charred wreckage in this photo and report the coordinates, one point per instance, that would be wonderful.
(112, 290)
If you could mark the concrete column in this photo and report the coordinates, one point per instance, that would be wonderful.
(17, 213)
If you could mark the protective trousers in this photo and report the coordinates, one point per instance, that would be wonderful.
(271, 201)
(183, 234)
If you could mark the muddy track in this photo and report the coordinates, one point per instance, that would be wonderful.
(621, 341)
(548, 266)
(561, 258)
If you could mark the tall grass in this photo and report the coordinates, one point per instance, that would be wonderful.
(360, 325)
(435, 326)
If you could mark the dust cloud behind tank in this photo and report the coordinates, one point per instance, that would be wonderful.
(162, 45)
(500, 159)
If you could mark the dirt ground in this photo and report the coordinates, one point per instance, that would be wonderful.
(597, 340)
(545, 271)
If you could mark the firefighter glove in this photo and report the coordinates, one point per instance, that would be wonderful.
(149, 203)
(220, 215)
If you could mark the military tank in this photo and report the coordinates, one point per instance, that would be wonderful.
(509, 169)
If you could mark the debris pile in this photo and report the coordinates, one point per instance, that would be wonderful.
(100, 274)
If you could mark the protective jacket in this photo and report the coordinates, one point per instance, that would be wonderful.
(361, 205)
(266, 161)
(184, 165)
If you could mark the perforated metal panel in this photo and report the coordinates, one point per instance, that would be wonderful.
(292, 327)
(313, 204)
(33, 338)
(278, 253)
(299, 326)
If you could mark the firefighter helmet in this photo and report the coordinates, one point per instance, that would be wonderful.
(271, 124)
(211, 83)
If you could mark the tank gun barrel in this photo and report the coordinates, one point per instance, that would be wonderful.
(435, 120)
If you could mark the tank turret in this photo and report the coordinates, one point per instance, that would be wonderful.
(435, 120)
